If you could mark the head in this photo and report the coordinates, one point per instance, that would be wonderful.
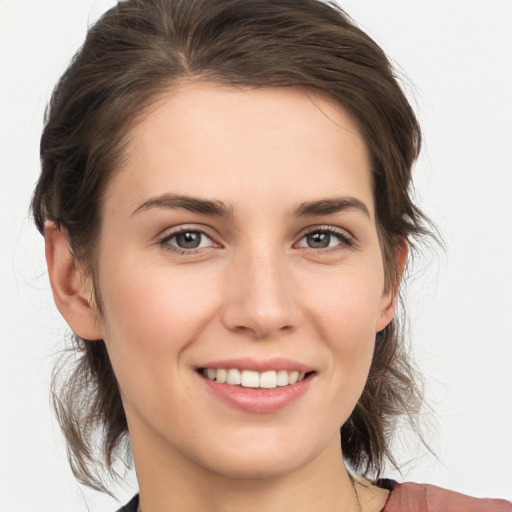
(142, 57)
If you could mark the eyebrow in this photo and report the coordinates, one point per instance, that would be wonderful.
(192, 204)
(330, 206)
(217, 208)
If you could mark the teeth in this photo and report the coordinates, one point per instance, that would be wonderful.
(268, 380)
(293, 377)
(282, 378)
(233, 377)
(251, 379)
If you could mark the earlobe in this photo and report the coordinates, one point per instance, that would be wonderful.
(72, 297)
(390, 298)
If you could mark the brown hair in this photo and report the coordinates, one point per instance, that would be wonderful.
(141, 48)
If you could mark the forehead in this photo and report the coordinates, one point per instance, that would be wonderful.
(267, 144)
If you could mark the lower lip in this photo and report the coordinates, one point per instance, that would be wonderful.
(258, 401)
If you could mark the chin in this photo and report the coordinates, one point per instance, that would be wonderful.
(268, 467)
(267, 457)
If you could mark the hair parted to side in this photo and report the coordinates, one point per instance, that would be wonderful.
(143, 48)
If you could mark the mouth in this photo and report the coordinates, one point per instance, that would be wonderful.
(243, 378)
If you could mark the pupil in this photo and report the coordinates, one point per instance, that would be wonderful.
(319, 240)
(188, 240)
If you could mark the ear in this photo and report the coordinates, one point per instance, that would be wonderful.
(389, 298)
(71, 290)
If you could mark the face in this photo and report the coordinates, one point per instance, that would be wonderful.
(241, 278)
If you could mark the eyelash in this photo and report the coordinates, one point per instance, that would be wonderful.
(345, 239)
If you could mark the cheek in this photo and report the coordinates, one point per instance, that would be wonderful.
(152, 316)
(152, 319)
(352, 354)
(346, 312)
(348, 302)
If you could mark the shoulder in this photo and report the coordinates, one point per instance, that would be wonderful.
(411, 497)
(131, 506)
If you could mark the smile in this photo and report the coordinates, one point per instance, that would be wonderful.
(252, 379)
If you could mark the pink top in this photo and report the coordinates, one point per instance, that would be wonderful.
(411, 497)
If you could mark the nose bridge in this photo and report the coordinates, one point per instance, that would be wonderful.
(259, 292)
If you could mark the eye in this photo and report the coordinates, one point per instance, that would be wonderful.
(187, 240)
(325, 238)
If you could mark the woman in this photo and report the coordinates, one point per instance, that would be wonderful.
(224, 199)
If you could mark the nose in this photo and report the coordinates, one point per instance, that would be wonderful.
(259, 297)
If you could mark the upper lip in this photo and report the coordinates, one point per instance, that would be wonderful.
(259, 365)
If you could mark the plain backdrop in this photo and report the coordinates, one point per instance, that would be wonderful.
(457, 57)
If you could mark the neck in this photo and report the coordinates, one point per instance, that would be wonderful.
(178, 485)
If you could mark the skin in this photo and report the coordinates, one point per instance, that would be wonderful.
(253, 288)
